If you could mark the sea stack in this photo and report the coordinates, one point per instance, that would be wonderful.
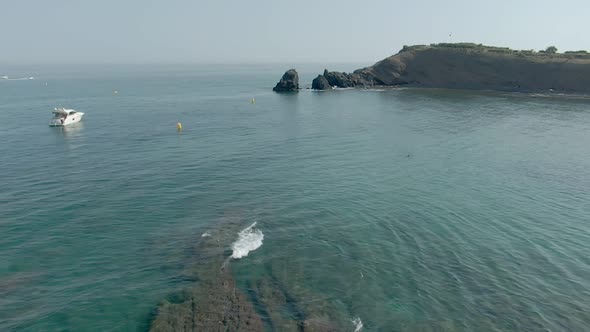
(288, 83)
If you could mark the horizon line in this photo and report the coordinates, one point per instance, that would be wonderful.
(32, 63)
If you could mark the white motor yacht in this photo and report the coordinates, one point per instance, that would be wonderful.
(63, 117)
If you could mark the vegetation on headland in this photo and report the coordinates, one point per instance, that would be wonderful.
(550, 51)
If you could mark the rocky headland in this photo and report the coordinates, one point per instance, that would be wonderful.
(471, 66)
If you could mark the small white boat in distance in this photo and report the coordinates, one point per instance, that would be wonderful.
(4, 77)
(63, 117)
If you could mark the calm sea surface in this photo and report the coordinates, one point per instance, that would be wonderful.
(407, 209)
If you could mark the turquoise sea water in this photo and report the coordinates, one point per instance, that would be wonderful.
(409, 209)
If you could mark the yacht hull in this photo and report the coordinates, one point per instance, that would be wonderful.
(67, 121)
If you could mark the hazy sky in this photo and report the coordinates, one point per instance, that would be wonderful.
(41, 31)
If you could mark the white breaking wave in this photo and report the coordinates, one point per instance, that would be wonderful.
(372, 90)
(358, 324)
(249, 239)
(205, 234)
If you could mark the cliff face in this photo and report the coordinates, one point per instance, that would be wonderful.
(479, 67)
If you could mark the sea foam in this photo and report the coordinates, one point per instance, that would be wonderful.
(358, 324)
(249, 239)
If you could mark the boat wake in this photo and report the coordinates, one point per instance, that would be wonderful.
(358, 324)
(249, 239)
(17, 79)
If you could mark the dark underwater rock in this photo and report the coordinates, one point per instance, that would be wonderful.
(215, 303)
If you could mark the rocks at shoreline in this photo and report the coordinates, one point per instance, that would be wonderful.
(288, 83)
(339, 79)
(335, 79)
(320, 83)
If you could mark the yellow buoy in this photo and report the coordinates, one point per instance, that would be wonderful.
(179, 126)
(253, 101)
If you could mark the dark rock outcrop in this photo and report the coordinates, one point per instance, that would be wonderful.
(288, 83)
(320, 83)
(474, 66)
(339, 79)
